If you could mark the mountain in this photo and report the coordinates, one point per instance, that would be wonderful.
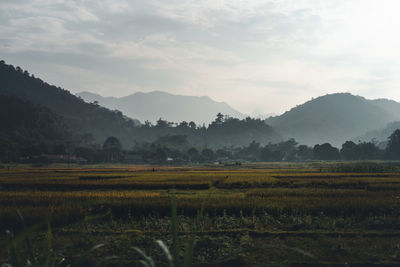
(335, 118)
(155, 105)
(80, 116)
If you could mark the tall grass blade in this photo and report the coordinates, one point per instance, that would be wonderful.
(27, 240)
(174, 230)
(12, 251)
(61, 262)
(145, 263)
(189, 248)
(168, 255)
(148, 261)
(84, 256)
(49, 245)
(191, 242)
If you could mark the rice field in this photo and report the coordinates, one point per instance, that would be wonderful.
(276, 213)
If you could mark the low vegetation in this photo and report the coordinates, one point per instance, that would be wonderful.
(241, 215)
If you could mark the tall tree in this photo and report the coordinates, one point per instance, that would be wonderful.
(348, 150)
(393, 146)
(326, 152)
(112, 147)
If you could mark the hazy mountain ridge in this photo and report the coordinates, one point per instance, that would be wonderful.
(154, 105)
(389, 105)
(379, 135)
(335, 118)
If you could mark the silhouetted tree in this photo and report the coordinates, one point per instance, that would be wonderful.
(183, 125)
(112, 148)
(360, 151)
(368, 150)
(326, 152)
(163, 123)
(219, 119)
(251, 152)
(192, 125)
(304, 152)
(288, 149)
(393, 146)
(349, 150)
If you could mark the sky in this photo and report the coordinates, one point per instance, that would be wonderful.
(254, 55)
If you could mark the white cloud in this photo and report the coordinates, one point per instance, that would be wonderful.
(268, 54)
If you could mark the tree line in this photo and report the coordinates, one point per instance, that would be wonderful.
(33, 138)
(176, 149)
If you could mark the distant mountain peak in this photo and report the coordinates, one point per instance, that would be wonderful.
(172, 107)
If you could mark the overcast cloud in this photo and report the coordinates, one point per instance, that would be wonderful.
(269, 55)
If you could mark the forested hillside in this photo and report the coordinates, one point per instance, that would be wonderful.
(78, 115)
(335, 118)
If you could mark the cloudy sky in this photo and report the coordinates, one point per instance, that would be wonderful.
(266, 55)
